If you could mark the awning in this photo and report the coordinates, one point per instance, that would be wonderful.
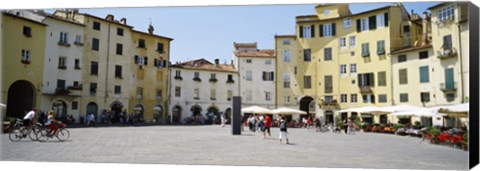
(285, 110)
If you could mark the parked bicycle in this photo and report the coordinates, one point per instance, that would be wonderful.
(62, 133)
(20, 132)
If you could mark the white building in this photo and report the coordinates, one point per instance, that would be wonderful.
(201, 87)
(256, 70)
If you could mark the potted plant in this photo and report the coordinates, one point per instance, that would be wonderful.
(434, 132)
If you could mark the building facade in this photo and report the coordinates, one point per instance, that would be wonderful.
(256, 69)
(201, 88)
(287, 86)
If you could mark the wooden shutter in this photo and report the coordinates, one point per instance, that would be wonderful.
(386, 19)
(136, 59)
(273, 76)
(373, 98)
(145, 61)
(359, 80)
(371, 79)
(359, 26)
(263, 76)
(300, 29)
(333, 29)
(372, 22)
(313, 30)
(321, 30)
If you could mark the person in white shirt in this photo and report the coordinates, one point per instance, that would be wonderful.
(52, 123)
(28, 119)
(91, 120)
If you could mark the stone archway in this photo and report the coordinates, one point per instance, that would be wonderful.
(158, 113)
(117, 108)
(176, 114)
(92, 108)
(305, 105)
(213, 114)
(329, 117)
(138, 112)
(21, 98)
(60, 108)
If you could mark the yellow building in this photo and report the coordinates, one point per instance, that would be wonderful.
(287, 87)
(23, 52)
(149, 65)
(344, 58)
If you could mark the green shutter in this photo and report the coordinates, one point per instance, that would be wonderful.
(321, 30)
(386, 19)
(359, 28)
(333, 29)
(424, 77)
(300, 29)
(313, 30)
(449, 79)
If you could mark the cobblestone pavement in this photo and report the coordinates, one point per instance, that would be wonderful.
(214, 145)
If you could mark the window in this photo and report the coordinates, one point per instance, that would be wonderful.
(160, 48)
(424, 76)
(295, 70)
(343, 42)
(286, 80)
(450, 97)
(380, 19)
(61, 84)
(230, 78)
(78, 39)
(327, 12)
(119, 49)
(249, 61)
(118, 89)
(364, 25)
(404, 97)
(213, 76)
(267, 76)
(382, 78)
(229, 95)
(63, 38)
(77, 63)
(306, 31)
(328, 30)
(96, 25)
(352, 42)
(307, 81)
(368, 98)
(424, 97)
(347, 23)
(141, 43)
(62, 62)
(366, 80)
(268, 61)
(94, 68)
(286, 55)
(423, 55)
(76, 84)
(306, 55)
(353, 98)
(353, 68)
(403, 76)
(118, 71)
(249, 95)
(196, 75)
(446, 13)
(74, 105)
(365, 50)
(249, 75)
(327, 52)
(328, 99)
(447, 42)
(382, 98)
(159, 95)
(286, 99)
(93, 88)
(402, 58)
(95, 44)
(178, 91)
(286, 42)
(343, 98)
(25, 55)
(196, 93)
(328, 84)
(27, 31)
(120, 31)
(381, 47)
(268, 96)
(178, 73)
(343, 70)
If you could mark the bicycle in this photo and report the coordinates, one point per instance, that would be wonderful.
(62, 134)
(20, 131)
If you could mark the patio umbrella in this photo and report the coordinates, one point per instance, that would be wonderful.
(285, 110)
(367, 109)
(422, 112)
(256, 109)
(458, 108)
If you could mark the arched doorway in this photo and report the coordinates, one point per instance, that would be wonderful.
(21, 97)
(176, 114)
(92, 108)
(158, 113)
(196, 114)
(138, 112)
(60, 108)
(329, 119)
(214, 115)
(116, 110)
(306, 106)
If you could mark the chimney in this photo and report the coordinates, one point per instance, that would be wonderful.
(150, 29)
(425, 28)
(217, 61)
(109, 17)
(123, 21)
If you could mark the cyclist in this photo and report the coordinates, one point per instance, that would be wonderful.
(317, 124)
(52, 124)
(28, 119)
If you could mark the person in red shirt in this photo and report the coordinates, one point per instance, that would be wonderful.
(309, 122)
(268, 123)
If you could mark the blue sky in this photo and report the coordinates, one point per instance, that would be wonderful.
(209, 32)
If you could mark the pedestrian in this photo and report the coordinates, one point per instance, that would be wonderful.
(268, 124)
(222, 118)
(91, 120)
(242, 124)
(261, 124)
(250, 122)
(345, 126)
(283, 130)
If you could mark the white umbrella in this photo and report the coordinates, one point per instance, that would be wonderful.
(422, 112)
(400, 108)
(256, 109)
(465, 107)
(368, 109)
(285, 110)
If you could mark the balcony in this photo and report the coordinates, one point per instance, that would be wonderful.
(447, 53)
(213, 80)
(78, 43)
(77, 87)
(230, 81)
(448, 87)
(366, 90)
(178, 77)
(62, 91)
(197, 79)
(63, 43)
(329, 105)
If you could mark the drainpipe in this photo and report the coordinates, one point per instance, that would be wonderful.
(461, 62)
(108, 57)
